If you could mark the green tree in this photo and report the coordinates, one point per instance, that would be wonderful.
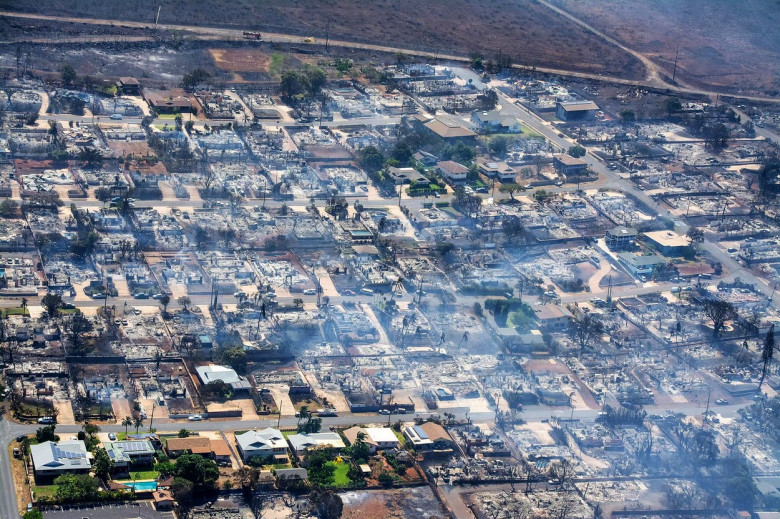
(194, 77)
(696, 235)
(671, 105)
(182, 489)
(320, 470)
(360, 450)
(511, 188)
(247, 478)
(315, 77)
(9, 208)
(184, 301)
(202, 472)
(102, 464)
(92, 157)
(577, 151)
(234, 356)
(165, 468)
(499, 145)
(33, 514)
(184, 433)
(67, 76)
(385, 479)
(327, 504)
(165, 300)
(371, 159)
(768, 176)
(127, 422)
(46, 434)
(627, 115)
(292, 84)
(72, 488)
(103, 194)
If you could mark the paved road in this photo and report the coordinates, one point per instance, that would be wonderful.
(8, 503)
(9, 430)
(612, 180)
(211, 33)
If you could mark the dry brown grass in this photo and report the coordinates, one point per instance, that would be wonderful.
(526, 31)
(723, 44)
(240, 60)
(20, 478)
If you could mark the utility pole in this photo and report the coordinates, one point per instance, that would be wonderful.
(279, 420)
(676, 56)
(327, 36)
(157, 18)
(151, 420)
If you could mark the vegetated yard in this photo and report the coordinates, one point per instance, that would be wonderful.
(340, 478)
(45, 491)
(724, 44)
(141, 475)
(526, 31)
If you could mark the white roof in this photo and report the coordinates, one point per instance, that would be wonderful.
(306, 441)
(381, 434)
(63, 456)
(257, 440)
(212, 373)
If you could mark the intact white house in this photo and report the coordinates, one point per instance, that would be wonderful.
(55, 459)
(300, 443)
(265, 443)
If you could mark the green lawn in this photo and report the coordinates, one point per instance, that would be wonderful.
(45, 491)
(143, 474)
(340, 478)
(167, 116)
(15, 311)
(275, 67)
(400, 436)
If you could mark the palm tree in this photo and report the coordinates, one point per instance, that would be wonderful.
(127, 422)
(23, 306)
(138, 422)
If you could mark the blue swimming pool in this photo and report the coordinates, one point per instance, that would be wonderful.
(142, 486)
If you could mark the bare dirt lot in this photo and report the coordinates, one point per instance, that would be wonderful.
(723, 43)
(527, 32)
(240, 60)
(392, 504)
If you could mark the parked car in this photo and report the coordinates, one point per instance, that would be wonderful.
(141, 295)
(46, 420)
(195, 418)
(384, 411)
(112, 436)
(116, 117)
(722, 401)
(310, 292)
